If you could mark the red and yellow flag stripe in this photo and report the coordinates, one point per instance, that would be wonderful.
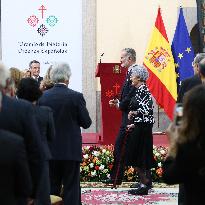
(160, 64)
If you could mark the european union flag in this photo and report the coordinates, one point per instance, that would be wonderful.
(182, 50)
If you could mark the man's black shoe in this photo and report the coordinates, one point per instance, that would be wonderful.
(139, 191)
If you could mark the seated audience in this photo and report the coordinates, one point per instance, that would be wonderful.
(185, 162)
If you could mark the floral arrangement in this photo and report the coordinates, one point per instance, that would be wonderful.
(98, 161)
(159, 153)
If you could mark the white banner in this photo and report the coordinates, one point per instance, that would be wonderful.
(46, 31)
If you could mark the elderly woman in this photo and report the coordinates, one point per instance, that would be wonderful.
(139, 152)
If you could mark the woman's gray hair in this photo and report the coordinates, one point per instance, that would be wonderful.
(4, 75)
(140, 71)
(60, 72)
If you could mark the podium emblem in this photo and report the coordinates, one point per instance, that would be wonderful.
(116, 69)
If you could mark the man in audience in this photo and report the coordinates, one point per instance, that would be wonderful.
(70, 113)
(34, 67)
(15, 179)
(17, 116)
(189, 83)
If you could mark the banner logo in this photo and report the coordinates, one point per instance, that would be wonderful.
(45, 24)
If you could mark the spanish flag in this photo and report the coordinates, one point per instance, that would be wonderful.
(160, 64)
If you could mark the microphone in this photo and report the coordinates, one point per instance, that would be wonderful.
(101, 56)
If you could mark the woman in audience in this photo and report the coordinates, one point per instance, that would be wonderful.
(47, 83)
(185, 162)
(13, 82)
(29, 90)
(26, 73)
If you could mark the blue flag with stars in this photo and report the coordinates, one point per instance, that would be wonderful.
(182, 50)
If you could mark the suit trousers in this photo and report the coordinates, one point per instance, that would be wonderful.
(66, 173)
(43, 191)
(117, 172)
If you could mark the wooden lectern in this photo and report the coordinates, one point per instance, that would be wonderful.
(112, 77)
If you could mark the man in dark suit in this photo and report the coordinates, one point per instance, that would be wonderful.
(34, 67)
(15, 179)
(17, 116)
(70, 113)
(127, 58)
(187, 85)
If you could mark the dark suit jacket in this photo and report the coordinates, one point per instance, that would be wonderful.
(187, 85)
(188, 168)
(126, 94)
(40, 79)
(70, 113)
(44, 117)
(15, 179)
(18, 116)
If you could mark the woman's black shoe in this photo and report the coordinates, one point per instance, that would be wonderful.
(139, 191)
(138, 185)
(135, 185)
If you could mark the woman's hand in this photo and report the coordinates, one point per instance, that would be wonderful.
(130, 127)
(172, 135)
(131, 114)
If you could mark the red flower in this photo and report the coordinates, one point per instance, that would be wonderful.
(110, 166)
(96, 167)
(159, 171)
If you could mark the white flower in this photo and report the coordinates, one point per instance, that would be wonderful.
(101, 167)
(104, 150)
(162, 152)
(105, 171)
(85, 156)
(91, 165)
(159, 164)
(157, 154)
(96, 153)
(87, 147)
(93, 173)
